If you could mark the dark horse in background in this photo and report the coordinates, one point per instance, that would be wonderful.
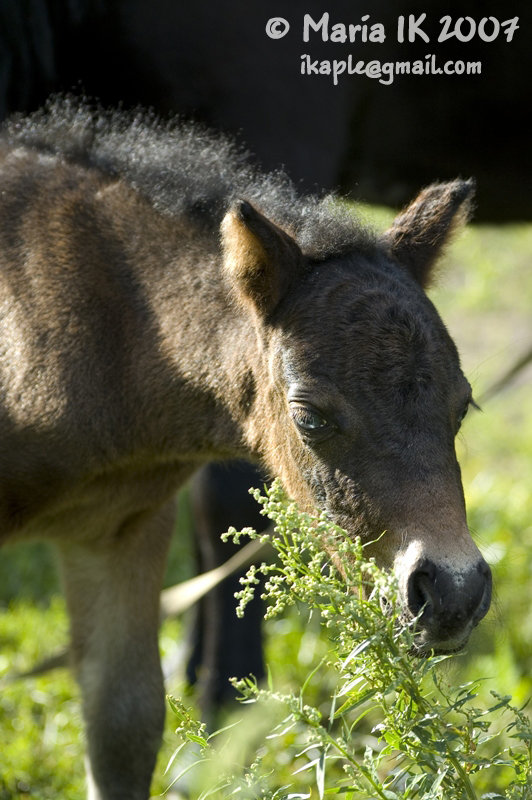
(163, 305)
(214, 62)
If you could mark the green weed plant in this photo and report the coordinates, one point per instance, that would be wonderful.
(392, 727)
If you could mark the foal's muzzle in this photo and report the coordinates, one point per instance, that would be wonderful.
(447, 604)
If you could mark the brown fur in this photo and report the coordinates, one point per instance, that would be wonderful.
(133, 348)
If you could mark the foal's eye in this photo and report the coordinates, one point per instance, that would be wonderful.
(308, 420)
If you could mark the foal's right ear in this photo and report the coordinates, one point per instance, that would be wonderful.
(259, 257)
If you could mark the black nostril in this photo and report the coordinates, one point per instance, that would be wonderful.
(484, 569)
(485, 601)
(421, 590)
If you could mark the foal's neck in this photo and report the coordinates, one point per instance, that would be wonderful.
(206, 346)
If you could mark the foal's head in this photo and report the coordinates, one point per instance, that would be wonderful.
(362, 396)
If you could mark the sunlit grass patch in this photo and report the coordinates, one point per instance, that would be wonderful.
(42, 745)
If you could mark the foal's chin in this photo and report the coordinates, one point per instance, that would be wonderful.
(426, 644)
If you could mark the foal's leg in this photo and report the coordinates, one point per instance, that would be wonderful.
(112, 593)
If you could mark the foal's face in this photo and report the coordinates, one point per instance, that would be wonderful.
(373, 399)
(366, 396)
(374, 393)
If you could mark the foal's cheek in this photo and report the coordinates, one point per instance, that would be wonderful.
(295, 464)
(299, 483)
(343, 500)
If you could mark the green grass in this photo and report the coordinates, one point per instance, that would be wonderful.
(484, 293)
(40, 720)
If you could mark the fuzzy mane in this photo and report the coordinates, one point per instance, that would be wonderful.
(182, 168)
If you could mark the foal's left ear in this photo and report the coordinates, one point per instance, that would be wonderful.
(260, 259)
(419, 234)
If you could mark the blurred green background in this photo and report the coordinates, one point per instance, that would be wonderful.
(484, 294)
